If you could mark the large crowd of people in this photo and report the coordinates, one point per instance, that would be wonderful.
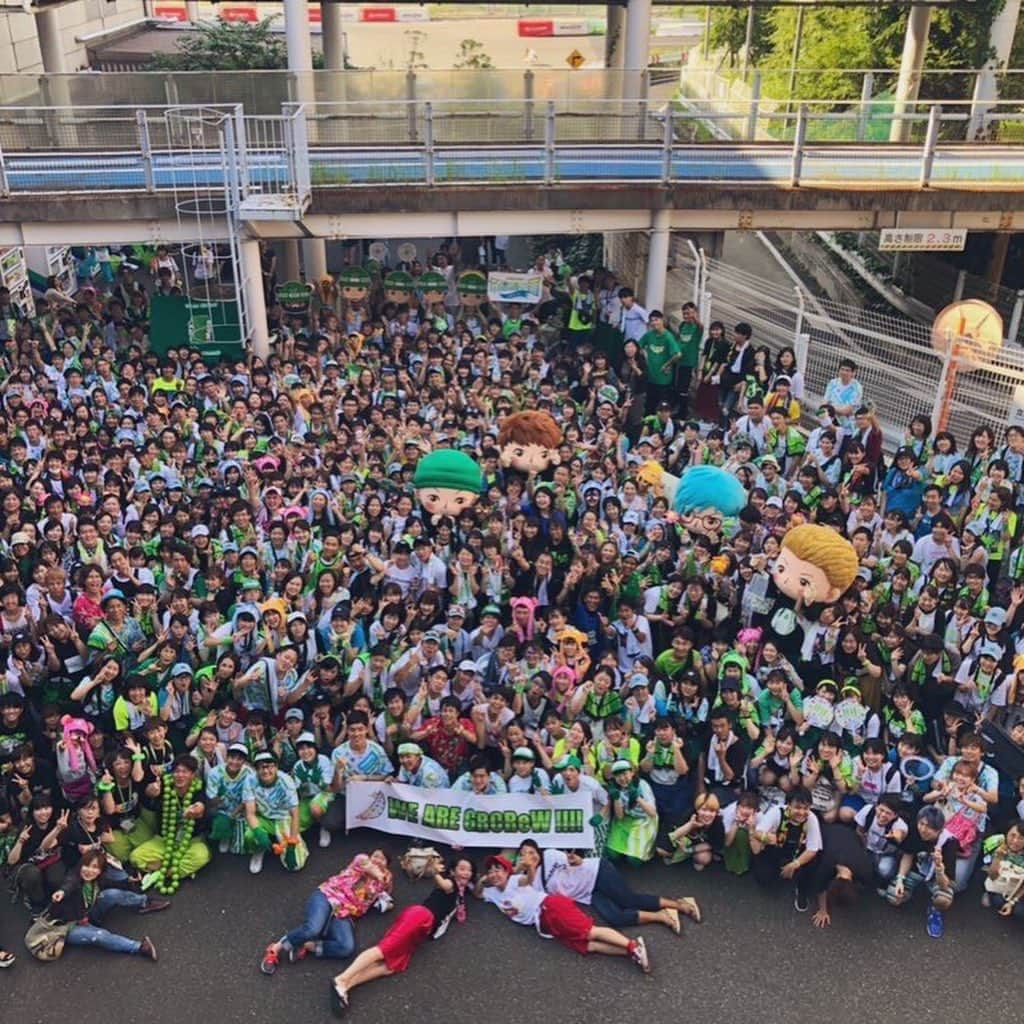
(226, 594)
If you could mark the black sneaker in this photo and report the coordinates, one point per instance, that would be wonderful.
(339, 1000)
(154, 905)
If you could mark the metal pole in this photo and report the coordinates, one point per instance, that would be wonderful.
(666, 159)
(528, 77)
(930, 140)
(867, 89)
(799, 137)
(1015, 317)
(242, 142)
(5, 187)
(707, 32)
(645, 89)
(798, 39)
(799, 328)
(749, 39)
(549, 144)
(958, 290)
(755, 104)
(410, 99)
(146, 150)
(915, 45)
(428, 140)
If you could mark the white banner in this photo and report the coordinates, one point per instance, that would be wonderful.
(526, 289)
(453, 817)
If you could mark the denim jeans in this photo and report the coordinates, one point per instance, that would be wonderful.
(110, 898)
(886, 866)
(334, 935)
(90, 935)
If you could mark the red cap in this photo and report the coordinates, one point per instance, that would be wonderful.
(502, 862)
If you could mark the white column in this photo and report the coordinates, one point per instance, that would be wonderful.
(638, 45)
(986, 86)
(192, 11)
(255, 300)
(300, 48)
(657, 260)
(51, 43)
(314, 259)
(915, 46)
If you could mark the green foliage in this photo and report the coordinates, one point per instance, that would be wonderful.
(858, 38)
(472, 55)
(227, 46)
(729, 32)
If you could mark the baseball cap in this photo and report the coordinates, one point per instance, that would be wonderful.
(995, 616)
(293, 714)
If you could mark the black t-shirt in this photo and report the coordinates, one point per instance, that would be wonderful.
(841, 845)
(441, 904)
(922, 853)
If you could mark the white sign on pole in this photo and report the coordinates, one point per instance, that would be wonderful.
(922, 239)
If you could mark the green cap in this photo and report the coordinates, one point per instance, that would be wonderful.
(447, 468)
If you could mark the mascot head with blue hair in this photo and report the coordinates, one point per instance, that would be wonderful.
(702, 497)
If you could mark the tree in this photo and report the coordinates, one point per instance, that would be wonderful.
(472, 55)
(227, 46)
(729, 32)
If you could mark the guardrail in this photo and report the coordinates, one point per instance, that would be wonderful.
(61, 149)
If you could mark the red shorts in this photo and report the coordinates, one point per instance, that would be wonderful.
(565, 922)
(411, 929)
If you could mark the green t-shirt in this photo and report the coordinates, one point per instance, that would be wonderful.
(689, 339)
(658, 349)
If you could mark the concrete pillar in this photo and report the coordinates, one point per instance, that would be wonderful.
(192, 11)
(986, 86)
(255, 300)
(657, 260)
(332, 37)
(615, 30)
(288, 264)
(55, 85)
(314, 259)
(300, 48)
(996, 263)
(638, 47)
(915, 46)
(51, 43)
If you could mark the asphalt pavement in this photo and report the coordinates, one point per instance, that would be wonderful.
(755, 958)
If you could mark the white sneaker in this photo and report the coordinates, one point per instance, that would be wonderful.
(325, 838)
(224, 845)
(256, 863)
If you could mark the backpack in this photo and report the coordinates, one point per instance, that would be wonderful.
(45, 937)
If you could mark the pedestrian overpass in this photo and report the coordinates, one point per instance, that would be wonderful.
(425, 168)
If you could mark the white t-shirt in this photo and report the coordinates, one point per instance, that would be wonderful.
(521, 903)
(577, 881)
(874, 838)
(771, 821)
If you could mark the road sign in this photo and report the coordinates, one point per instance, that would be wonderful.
(922, 239)
(575, 59)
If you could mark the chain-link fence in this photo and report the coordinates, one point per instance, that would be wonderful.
(902, 375)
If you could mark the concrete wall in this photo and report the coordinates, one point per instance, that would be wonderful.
(19, 48)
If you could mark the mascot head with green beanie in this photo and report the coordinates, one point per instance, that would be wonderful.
(447, 482)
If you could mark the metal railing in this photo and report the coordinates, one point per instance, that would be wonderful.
(63, 149)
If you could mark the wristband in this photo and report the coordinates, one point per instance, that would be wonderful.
(104, 787)
(901, 878)
(138, 757)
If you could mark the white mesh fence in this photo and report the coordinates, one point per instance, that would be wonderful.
(902, 375)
